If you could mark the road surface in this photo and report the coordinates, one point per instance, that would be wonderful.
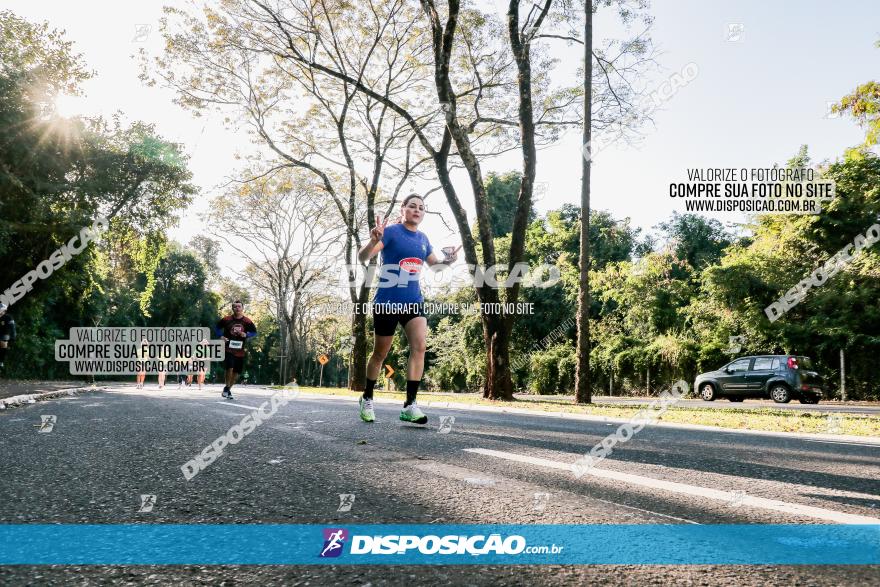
(108, 448)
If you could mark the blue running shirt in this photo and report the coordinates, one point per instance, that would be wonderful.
(404, 252)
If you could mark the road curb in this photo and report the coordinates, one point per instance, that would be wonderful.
(32, 398)
(870, 440)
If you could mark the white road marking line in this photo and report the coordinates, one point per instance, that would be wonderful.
(479, 481)
(239, 405)
(686, 489)
(842, 442)
(652, 512)
(461, 474)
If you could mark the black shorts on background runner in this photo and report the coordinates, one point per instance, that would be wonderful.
(234, 363)
(386, 317)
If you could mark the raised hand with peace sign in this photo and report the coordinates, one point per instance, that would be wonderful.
(374, 245)
(378, 230)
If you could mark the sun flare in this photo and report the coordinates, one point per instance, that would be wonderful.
(69, 106)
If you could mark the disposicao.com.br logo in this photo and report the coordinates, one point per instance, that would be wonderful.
(334, 541)
(394, 544)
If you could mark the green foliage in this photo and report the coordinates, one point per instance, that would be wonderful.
(863, 104)
(56, 176)
(785, 249)
(502, 193)
(39, 54)
(552, 370)
(672, 312)
(179, 297)
(695, 239)
(455, 356)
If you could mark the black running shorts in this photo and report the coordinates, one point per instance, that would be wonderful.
(234, 363)
(386, 317)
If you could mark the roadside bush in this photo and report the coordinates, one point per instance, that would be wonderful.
(552, 370)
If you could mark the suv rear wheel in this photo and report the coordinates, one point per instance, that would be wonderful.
(707, 392)
(780, 394)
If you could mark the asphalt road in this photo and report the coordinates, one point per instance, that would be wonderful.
(108, 448)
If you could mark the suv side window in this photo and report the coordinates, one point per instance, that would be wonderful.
(765, 364)
(741, 365)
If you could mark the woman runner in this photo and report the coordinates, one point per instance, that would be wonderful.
(142, 356)
(399, 300)
(200, 378)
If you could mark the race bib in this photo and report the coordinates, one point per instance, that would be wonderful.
(411, 265)
(236, 344)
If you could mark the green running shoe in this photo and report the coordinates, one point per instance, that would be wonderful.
(413, 414)
(367, 413)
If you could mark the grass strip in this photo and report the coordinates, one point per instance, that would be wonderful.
(766, 419)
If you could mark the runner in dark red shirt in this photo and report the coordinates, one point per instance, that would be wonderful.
(235, 330)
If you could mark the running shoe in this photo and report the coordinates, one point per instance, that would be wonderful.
(367, 413)
(226, 393)
(412, 413)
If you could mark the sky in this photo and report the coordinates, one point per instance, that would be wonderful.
(762, 90)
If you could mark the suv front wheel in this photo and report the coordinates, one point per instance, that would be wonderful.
(780, 394)
(707, 392)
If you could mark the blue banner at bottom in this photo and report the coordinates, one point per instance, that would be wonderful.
(483, 544)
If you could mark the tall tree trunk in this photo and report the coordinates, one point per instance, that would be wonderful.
(520, 45)
(290, 359)
(357, 372)
(582, 378)
(499, 384)
(360, 295)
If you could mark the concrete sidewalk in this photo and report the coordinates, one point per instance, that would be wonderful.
(10, 388)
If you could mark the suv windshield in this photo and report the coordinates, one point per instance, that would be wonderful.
(804, 362)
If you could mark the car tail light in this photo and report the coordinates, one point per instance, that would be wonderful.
(792, 363)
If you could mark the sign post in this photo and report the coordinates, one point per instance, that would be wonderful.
(323, 360)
